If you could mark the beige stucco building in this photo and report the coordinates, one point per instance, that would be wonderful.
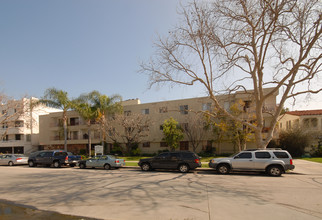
(308, 120)
(181, 110)
(19, 129)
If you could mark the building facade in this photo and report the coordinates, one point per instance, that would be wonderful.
(308, 120)
(19, 129)
(184, 111)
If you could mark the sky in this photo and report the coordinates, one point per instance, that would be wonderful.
(83, 45)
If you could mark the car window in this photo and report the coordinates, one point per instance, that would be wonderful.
(104, 157)
(112, 156)
(48, 154)
(262, 155)
(188, 156)
(166, 155)
(42, 154)
(60, 153)
(244, 155)
(280, 154)
(175, 156)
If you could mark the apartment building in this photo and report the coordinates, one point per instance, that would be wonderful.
(19, 125)
(183, 111)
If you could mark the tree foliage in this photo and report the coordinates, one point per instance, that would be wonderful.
(229, 45)
(294, 141)
(172, 133)
(58, 99)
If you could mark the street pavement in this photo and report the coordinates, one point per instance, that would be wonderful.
(132, 194)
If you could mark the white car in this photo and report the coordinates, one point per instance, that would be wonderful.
(273, 161)
(13, 159)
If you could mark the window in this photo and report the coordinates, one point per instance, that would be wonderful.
(145, 111)
(245, 155)
(184, 145)
(184, 126)
(184, 109)
(146, 144)
(74, 121)
(247, 105)
(127, 113)
(314, 122)
(18, 137)
(5, 125)
(163, 110)
(73, 135)
(5, 138)
(280, 154)
(18, 124)
(163, 144)
(262, 155)
(4, 113)
(28, 137)
(206, 107)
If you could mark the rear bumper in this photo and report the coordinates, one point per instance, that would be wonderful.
(289, 167)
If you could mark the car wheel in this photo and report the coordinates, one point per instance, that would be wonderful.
(82, 166)
(274, 171)
(10, 163)
(146, 167)
(107, 167)
(183, 168)
(56, 164)
(31, 163)
(223, 169)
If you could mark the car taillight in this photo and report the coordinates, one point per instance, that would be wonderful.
(196, 160)
(291, 161)
(66, 158)
(117, 161)
(81, 157)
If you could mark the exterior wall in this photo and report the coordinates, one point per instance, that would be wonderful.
(157, 112)
(309, 121)
(20, 129)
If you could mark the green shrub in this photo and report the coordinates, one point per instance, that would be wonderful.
(294, 141)
(316, 151)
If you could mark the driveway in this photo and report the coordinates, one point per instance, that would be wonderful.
(133, 194)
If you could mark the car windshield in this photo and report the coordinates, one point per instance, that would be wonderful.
(112, 156)
(233, 155)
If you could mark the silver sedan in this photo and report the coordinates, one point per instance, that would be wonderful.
(105, 161)
(13, 159)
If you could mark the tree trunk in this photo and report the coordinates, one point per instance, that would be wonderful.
(65, 132)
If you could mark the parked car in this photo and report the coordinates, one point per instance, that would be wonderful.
(13, 159)
(73, 160)
(56, 158)
(272, 161)
(179, 160)
(104, 161)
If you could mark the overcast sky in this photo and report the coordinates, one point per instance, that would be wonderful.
(84, 45)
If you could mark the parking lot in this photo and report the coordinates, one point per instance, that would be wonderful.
(129, 193)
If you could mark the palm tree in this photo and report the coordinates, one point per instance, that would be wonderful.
(58, 99)
(104, 105)
(89, 113)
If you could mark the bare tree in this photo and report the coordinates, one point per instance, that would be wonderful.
(127, 129)
(10, 112)
(195, 130)
(250, 44)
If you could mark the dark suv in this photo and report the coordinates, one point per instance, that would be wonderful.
(180, 160)
(48, 158)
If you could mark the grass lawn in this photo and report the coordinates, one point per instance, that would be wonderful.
(314, 159)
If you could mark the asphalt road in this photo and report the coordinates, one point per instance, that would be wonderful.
(132, 194)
